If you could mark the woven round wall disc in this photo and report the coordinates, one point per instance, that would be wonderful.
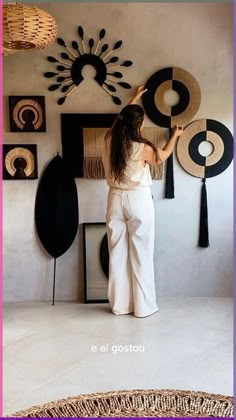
(27, 105)
(188, 148)
(182, 82)
(16, 153)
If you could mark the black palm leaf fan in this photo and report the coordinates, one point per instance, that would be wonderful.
(70, 65)
(56, 210)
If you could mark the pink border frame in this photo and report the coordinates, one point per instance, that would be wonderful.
(1, 282)
(1, 261)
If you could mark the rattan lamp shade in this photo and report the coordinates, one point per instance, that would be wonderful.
(26, 28)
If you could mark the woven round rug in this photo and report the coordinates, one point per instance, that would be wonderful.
(136, 403)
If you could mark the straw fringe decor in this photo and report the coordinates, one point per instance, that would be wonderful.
(156, 136)
(26, 27)
(93, 168)
(93, 146)
(136, 403)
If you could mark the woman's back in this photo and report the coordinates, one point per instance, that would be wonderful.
(136, 175)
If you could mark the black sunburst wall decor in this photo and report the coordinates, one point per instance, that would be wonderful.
(69, 73)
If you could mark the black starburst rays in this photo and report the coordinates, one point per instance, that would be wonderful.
(69, 72)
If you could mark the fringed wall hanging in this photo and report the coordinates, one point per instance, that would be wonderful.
(27, 113)
(82, 143)
(74, 151)
(20, 161)
(93, 139)
(69, 72)
(205, 167)
(56, 210)
(164, 115)
(155, 135)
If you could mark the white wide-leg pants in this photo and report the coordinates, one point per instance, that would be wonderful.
(130, 231)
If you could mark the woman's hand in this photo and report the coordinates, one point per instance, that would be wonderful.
(178, 131)
(139, 92)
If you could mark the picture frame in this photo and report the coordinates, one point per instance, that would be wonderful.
(72, 137)
(82, 141)
(20, 162)
(27, 114)
(95, 281)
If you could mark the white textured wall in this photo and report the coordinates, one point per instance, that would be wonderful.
(194, 36)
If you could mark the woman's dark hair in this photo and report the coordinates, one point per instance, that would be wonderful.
(124, 131)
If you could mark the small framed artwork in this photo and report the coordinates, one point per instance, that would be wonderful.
(27, 113)
(20, 161)
(96, 262)
(82, 137)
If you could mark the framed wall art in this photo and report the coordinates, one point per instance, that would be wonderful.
(96, 262)
(20, 161)
(27, 114)
(82, 138)
(73, 139)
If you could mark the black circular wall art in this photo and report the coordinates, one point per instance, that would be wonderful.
(188, 148)
(69, 72)
(179, 80)
(205, 166)
(104, 255)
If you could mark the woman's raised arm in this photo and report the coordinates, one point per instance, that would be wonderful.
(149, 155)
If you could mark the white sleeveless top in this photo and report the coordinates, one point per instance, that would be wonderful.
(135, 175)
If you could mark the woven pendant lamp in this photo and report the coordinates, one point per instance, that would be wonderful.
(26, 28)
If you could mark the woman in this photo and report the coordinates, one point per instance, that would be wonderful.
(130, 211)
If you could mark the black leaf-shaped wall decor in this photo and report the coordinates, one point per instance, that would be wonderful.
(56, 208)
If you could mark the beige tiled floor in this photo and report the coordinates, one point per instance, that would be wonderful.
(48, 355)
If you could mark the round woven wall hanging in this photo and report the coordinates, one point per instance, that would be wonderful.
(18, 159)
(24, 107)
(188, 148)
(164, 115)
(204, 167)
(182, 82)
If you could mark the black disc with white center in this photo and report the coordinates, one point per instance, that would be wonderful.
(182, 82)
(188, 148)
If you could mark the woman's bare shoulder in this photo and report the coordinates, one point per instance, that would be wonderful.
(147, 149)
